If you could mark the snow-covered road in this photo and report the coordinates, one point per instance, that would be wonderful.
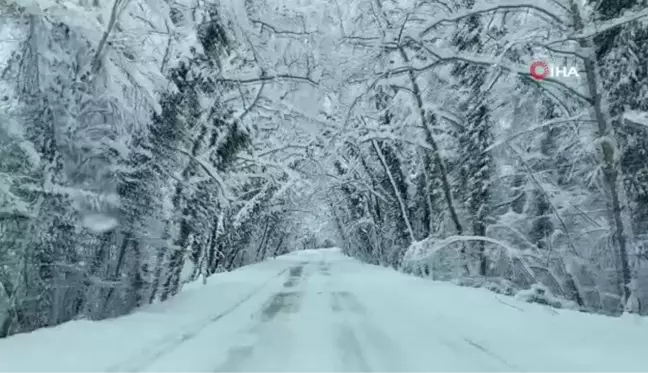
(321, 311)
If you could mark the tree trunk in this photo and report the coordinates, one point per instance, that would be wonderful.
(609, 157)
(399, 198)
(429, 137)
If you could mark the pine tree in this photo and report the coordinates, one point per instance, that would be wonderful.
(620, 54)
(477, 166)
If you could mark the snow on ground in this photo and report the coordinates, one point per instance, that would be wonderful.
(637, 117)
(320, 311)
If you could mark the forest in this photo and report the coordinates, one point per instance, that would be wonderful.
(145, 144)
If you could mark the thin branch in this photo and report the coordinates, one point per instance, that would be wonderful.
(522, 7)
(271, 151)
(397, 193)
(370, 138)
(207, 169)
(400, 33)
(305, 79)
(452, 59)
(599, 29)
(117, 8)
(548, 199)
(584, 215)
(535, 128)
(277, 31)
(165, 58)
(558, 51)
(443, 5)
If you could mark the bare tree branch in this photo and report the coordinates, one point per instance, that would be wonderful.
(117, 8)
(281, 32)
(277, 77)
(520, 7)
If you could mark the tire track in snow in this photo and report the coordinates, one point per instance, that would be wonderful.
(346, 301)
(492, 355)
(458, 343)
(358, 339)
(351, 350)
(282, 303)
(294, 276)
(325, 269)
(349, 347)
(170, 342)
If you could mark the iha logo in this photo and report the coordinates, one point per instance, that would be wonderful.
(540, 70)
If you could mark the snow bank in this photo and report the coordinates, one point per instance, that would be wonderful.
(522, 336)
(511, 272)
(100, 345)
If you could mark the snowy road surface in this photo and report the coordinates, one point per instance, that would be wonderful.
(321, 311)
